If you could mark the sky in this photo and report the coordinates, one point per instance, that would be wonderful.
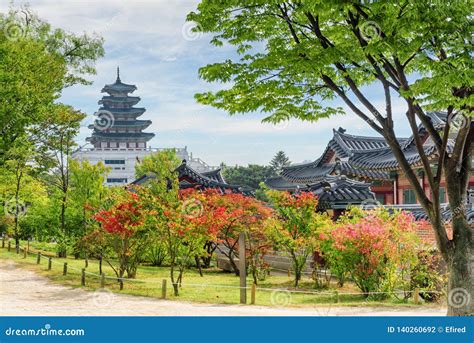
(157, 52)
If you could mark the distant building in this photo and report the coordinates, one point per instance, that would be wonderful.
(370, 160)
(191, 178)
(118, 139)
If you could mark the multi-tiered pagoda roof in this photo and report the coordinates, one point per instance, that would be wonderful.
(117, 125)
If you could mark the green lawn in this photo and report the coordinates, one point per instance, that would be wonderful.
(215, 286)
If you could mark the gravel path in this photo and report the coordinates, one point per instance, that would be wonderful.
(24, 293)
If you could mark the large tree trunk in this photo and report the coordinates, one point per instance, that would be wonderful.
(460, 267)
(460, 253)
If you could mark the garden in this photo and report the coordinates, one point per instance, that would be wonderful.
(162, 241)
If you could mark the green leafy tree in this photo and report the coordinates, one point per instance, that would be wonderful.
(295, 56)
(279, 161)
(55, 140)
(296, 227)
(36, 63)
(87, 192)
(249, 176)
(19, 188)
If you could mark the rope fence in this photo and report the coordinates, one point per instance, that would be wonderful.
(253, 288)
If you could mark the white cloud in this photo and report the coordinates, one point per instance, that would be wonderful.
(146, 39)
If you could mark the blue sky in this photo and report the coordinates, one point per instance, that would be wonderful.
(151, 43)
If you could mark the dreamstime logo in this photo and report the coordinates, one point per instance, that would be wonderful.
(370, 204)
(14, 208)
(192, 208)
(102, 298)
(105, 120)
(14, 31)
(191, 31)
(280, 298)
(458, 120)
(459, 297)
(370, 30)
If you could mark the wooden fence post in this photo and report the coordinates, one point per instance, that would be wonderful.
(242, 269)
(65, 268)
(163, 289)
(3, 242)
(38, 259)
(86, 263)
(50, 260)
(9, 246)
(336, 296)
(17, 248)
(253, 294)
(102, 280)
(83, 277)
(25, 253)
(416, 296)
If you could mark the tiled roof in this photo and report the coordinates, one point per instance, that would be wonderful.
(332, 191)
(419, 213)
(313, 172)
(130, 100)
(340, 192)
(124, 123)
(384, 159)
(124, 111)
(346, 144)
(214, 175)
(119, 87)
(198, 179)
(116, 135)
(362, 157)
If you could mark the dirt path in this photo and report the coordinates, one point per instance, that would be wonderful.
(24, 293)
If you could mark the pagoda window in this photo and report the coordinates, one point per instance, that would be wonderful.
(113, 144)
(132, 145)
(141, 145)
(116, 180)
(103, 145)
(122, 145)
(114, 161)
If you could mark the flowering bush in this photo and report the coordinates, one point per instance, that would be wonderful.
(124, 232)
(296, 227)
(375, 248)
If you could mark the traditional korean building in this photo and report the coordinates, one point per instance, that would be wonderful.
(191, 178)
(370, 160)
(118, 139)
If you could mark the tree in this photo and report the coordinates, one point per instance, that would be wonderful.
(258, 244)
(296, 227)
(226, 216)
(125, 233)
(170, 213)
(19, 187)
(55, 140)
(377, 249)
(279, 161)
(249, 176)
(37, 63)
(296, 56)
(87, 191)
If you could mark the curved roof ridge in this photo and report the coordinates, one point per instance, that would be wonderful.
(343, 133)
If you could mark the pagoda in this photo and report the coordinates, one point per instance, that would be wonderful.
(118, 140)
(117, 125)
